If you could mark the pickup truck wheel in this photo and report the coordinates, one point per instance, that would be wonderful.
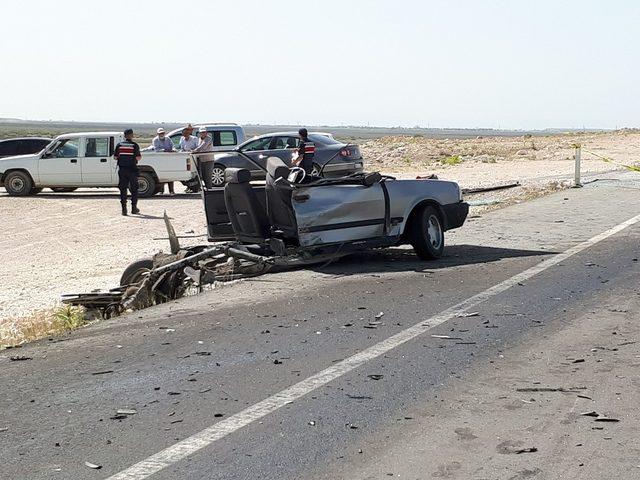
(217, 175)
(427, 234)
(63, 189)
(134, 273)
(146, 185)
(18, 184)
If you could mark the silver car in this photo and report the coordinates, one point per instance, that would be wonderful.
(332, 158)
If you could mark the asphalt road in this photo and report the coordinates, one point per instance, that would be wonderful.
(187, 366)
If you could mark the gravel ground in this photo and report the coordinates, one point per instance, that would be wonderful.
(67, 243)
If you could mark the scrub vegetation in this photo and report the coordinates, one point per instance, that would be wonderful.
(40, 324)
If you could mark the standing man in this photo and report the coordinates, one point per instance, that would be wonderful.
(128, 155)
(187, 141)
(205, 159)
(306, 151)
(162, 143)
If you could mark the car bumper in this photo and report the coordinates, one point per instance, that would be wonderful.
(455, 214)
(343, 167)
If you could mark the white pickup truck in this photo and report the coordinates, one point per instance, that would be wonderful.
(86, 159)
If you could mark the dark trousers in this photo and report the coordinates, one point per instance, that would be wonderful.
(128, 178)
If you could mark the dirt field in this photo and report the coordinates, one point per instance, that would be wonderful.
(66, 243)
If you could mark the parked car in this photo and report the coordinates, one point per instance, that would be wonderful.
(332, 158)
(225, 136)
(22, 146)
(86, 160)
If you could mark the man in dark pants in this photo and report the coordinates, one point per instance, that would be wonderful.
(128, 155)
(306, 151)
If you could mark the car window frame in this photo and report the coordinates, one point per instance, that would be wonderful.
(85, 143)
(244, 147)
(15, 142)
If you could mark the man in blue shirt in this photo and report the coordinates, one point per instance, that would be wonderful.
(162, 143)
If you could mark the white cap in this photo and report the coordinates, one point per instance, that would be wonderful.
(160, 130)
(202, 129)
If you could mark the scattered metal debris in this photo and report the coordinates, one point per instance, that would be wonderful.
(93, 465)
(550, 389)
(490, 188)
(126, 411)
(20, 358)
(102, 372)
(375, 376)
(465, 315)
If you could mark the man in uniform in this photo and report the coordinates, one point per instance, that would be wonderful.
(306, 151)
(128, 155)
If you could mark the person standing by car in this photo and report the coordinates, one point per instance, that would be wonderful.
(162, 143)
(205, 157)
(128, 155)
(187, 142)
(306, 152)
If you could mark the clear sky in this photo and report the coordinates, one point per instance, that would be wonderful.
(493, 63)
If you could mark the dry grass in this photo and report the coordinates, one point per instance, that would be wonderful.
(40, 324)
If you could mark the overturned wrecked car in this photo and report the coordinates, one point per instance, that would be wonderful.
(293, 219)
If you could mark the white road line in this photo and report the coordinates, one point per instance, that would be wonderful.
(192, 444)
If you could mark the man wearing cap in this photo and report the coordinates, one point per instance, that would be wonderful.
(162, 143)
(187, 142)
(205, 159)
(127, 154)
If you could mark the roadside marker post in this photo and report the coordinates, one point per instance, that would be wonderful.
(576, 156)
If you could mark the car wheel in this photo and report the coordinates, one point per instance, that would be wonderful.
(217, 175)
(146, 185)
(18, 184)
(315, 170)
(134, 273)
(427, 234)
(63, 189)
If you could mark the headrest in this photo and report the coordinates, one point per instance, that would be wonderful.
(237, 175)
(273, 164)
(371, 179)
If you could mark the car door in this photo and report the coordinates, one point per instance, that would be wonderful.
(60, 165)
(284, 147)
(258, 151)
(98, 166)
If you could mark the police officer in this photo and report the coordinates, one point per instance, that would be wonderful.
(306, 151)
(128, 155)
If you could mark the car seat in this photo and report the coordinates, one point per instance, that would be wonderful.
(279, 209)
(248, 218)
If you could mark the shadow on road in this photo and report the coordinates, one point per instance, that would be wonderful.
(404, 259)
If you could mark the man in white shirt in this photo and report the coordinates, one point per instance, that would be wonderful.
(187, 142)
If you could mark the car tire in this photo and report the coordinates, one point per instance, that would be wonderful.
(134, 273)
(63, 189)
(146, 185)
(18, 184)
(217, 175)
(427, 234)
(315, 170)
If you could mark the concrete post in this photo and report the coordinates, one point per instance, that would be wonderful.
(577, 158)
